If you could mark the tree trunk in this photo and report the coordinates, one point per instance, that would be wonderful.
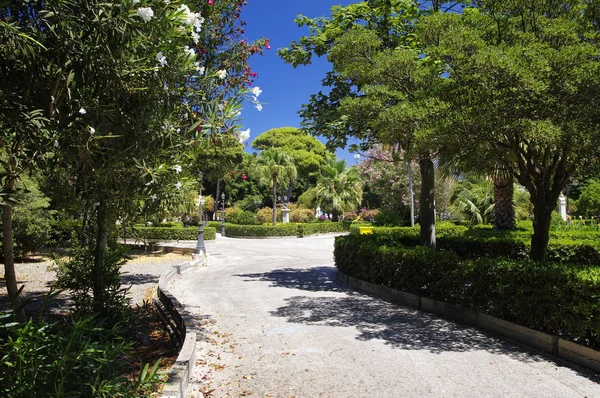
(504, 209)
(217, 199)
(427, 204)
(275, 201)
(542, 216)
(289, 191)
(9, 259)
(100, 257)
(411, 194)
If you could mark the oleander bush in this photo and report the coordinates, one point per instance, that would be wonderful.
(554, 297)
(76, 357)
(265, 215)
(244, 217)
(161, 233)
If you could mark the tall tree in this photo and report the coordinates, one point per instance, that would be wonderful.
(275, 165)
(308, 152)
(338, 188)
(523, 81)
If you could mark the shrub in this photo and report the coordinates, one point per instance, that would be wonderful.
(368, 214)
(302, 215)
(231, 214)
(349, 216)
(552, 297)
(246, 218)
(158, 233)
(284, 229)
(75, 357)
(265, 215)
(389, 218)
(588, 203)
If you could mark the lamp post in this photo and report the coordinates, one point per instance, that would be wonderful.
(200, 248)
(223, 218)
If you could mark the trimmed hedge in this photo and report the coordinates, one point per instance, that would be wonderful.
(161, 233)
(564, 246)
(299, 230)
(556, 298)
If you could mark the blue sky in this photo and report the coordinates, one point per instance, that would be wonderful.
(284, 88)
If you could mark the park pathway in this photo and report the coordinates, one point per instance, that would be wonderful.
(278, 324)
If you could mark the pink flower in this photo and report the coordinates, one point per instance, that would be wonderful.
(210, 2)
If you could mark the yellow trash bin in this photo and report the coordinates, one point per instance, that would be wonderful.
(366, 230)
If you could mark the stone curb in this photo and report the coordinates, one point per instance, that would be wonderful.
(183, 327)
(576, 353)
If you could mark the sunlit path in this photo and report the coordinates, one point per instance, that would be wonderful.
(278, 324)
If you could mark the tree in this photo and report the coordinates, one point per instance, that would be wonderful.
(473, 201)
(386, 174)
(588, 203)
(338, 188)
(522, 83)
(308, 152)
(24, 136)
(275, 165)
(385, 100)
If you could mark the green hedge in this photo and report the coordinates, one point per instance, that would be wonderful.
(160, 233)
(557, 298)
(300, 229)
(565, 247)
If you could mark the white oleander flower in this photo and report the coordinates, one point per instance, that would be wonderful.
(177, 169)
(153, 197)
(199, 68)
(189, 51)
(222, 74)
(178, 185)
(82, 111)
(146, 13)
(195, 37)
(256, 91)
(162, 60)
(92, 130)
(258, 107)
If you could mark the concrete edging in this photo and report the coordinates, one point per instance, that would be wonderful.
(182, 327)
(576, 353)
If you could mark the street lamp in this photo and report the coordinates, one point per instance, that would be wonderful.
(223, 218)
(200, 248)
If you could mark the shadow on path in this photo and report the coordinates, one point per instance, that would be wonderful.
(316, 279)
(400, 327)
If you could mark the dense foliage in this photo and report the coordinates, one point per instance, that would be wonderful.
(553, 297)
(164, 233)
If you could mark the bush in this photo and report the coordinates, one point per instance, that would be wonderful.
(575, 247)
(265, 215)
(32, 220)
(231, 214)
(552, 297)
(246, 218)
(588, 203)
(302, 215)
(158, 233)
(284, 229)
(389, 218)
(75, 357)
(368, 214)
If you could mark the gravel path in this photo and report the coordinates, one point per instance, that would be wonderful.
(277, 324)
(141, 273)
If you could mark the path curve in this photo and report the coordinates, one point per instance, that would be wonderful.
(278, 324)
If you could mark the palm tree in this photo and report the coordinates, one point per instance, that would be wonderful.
(473, 201)
(275, 165)
(338, 189)
(504, 205)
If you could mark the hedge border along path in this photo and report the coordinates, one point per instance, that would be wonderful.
(548, 343)
(555, 298)
(272, 231)
(182, 326)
